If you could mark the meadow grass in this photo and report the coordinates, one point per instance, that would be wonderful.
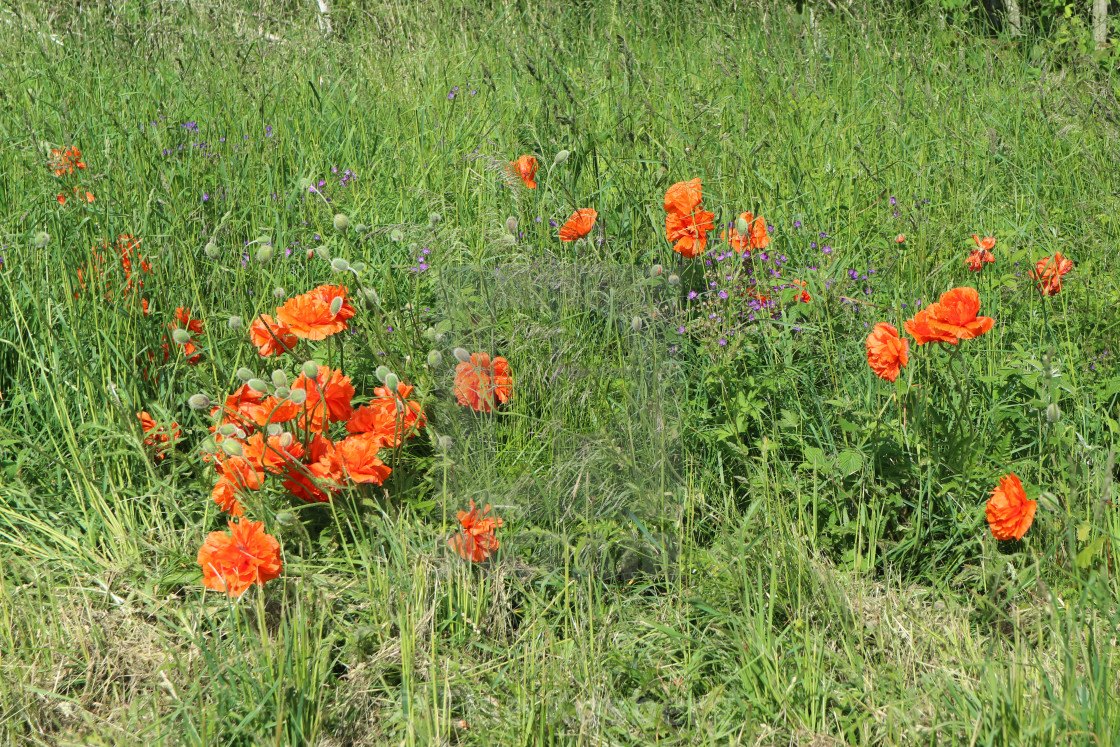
(709, 538)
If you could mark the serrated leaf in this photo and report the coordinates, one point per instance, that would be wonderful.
(849, 462)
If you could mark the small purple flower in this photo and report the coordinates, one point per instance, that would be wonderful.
(827, 250)
(268, 130)
(190, 127)
(692, 294)
(723, 294)
(722, 341)
(205, 197)
(797, 224)
(680, 330)
(894, 201)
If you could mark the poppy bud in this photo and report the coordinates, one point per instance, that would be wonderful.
(41, 239)
(656, 271)
(310, 369)
(263, 239)
(439, 337)
(285, 518)
(211, 250)
(435, 358)
(434, 218)
(430, 333)
(636, 323)
(198, 401)
(208, 446)
(336, 305)
(511, 225)
(392, 383)
(239, 433)
(674, 280)
(227, 429)
(371, 297)
(381, 373)
(298, 396)
(257, 385)
(742, 227)
(244, 374)
(279, 378)
(560, 157)
(231, 447)
(396, 235)
(279, 293)
(445, 442)
(234, 322)
(264, 254)
(338, 264)
(323, 253)
(286, 440)
(360, 228)
(282, 392)
(273, 429)
(181, 336)
(341, 222)
(358, 267)
(462, 355)
(1053, 413)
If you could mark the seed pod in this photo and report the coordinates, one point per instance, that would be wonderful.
(435, 358)
(445, 442)
(656, 271)
(279, 378)
(742, 227)
(338, 264)
(323, 253)
(211, 250)
(381, 373)
(434, 218)
(227, 429)
(235, 322)
(511, 225)
(310, 369)
(560, 157)
(231, 447)
(392, 383)
(198, 401)
(41, 239)
(462, 355)
(336, 305)
(674, 280)
(1053, 413)
(341, 222)
(244, 374)
(636, 323)
(279, 293)
(181, 336)
(298, 396)
(258, 385)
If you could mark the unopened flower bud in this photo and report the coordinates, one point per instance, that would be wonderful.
(392, 383)
(181, 336)
(742, 227)
(636, 323)
(285, 517)
(336, 305)
(211, 250)
(227, 429)
(198, 401)
(235, 322)
(323, 253)
(360, 228)
(511, 225)
(381, 373)
(338, 264)
(341, 222)
(298, 396)
(396, 235)
(264, 254)
(286, 440)
(244, 374)
(1053, 413)
(279, 293)
(282, 392)
(656, 271)
(239, 433)
(372, 299)
(358, 267)
(435, 358)
(434, 218)
(279, 378)
(263, 239)
(257, 385)
(445, 442)
(231, 447)
(41, 239)
(560, 157)
(674, 280)
(274, 429)
(430, 333)
(462, 355)
(310, 369)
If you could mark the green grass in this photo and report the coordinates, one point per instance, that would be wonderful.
(751, 543)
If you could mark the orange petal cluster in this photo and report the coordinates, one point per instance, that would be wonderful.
(886, 351)
(756, 237)
(308, 316)
(1048, 271)
(686, 225)
(133, 267)
(952, 319)
(481, 384)
(1009, 512)
(579, 225)
(477, 541)
(271, 337)
(158, 437)
(526, 168)
(233, 562)
(66, 160)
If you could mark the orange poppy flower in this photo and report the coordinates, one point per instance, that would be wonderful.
(756, 237)
(977, 258)
(66, 160)
(1049, 271)
(683, 197)
(804, 297)
(984, 244)
(233, 562)
(270, 337)
(157, 436)
(225, 495)
(689, 231)
(526, 168)
(244, 408)
(359, 459)
(886, 351)
(378, 420)
(477, 541)
(328, 394)
(317, 482)
(1009, 512)
(482, 384)
(579, 225)
(951, 319)
(309, 316)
